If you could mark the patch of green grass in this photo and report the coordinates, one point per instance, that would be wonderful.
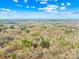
(1, 52)
(64, 43)
(1, 29)
(67, 31)
(13, 55)
(76, 45)
(38, 53)
(12, 27)
(26, 43)
(24, 29)
(45, 43)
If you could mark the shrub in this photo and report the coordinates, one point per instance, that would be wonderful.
(12, 27)
(26, 43)
(38, 53)
(70, 30)
(24, 29)
(64, 43)
(76, 45)
(45, 43)
(1, 29)
(13, 55)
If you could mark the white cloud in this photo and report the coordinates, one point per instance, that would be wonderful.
(68, 4)
(53, 6)
(19, 5)
(49, 8)
(37, 15)
(25, 1)
(62, 4)
(62, 8)
(15, 0)
(43, 2)
(27, 7)
(6, 12)
(33, 6)
(3, 13)
(5, 9)
(56, 0)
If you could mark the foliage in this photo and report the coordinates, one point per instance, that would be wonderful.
(13, 55)
(64, 43)
(12, 27)
(59, 43)
(24, 29)
(1, 29)
(45, 43)
(27, 43)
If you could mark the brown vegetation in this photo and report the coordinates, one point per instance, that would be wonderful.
(39, 41)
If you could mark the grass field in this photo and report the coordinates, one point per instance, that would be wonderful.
(39, 41)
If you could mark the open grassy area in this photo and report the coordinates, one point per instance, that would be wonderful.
(39, 41)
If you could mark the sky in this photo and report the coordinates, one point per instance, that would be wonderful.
(39, 9)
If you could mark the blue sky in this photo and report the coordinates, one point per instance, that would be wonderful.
(39, 9)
